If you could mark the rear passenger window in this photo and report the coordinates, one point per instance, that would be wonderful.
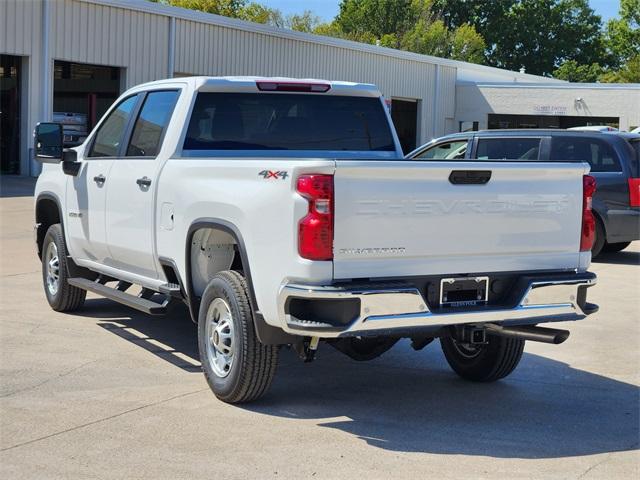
(599, 154)
(151, 124)
(508, 149)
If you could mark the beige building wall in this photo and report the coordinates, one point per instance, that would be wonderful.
(150, 41)
(21, 35)
(99, 34)
(475, 101)
(215, 49)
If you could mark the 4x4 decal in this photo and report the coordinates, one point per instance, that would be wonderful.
(276, 175)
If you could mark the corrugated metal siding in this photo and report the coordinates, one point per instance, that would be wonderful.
(448, 91)
(205, 49)
(446, 101)
(103, 35)
(214, 50)
(19, 27)
(127, 36)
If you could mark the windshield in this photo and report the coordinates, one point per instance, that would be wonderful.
(274, 121)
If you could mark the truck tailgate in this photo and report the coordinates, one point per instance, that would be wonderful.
(399, 218)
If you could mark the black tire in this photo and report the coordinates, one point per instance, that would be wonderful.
(615, 247)
(252, 365)
(64, 298)
(600, 239)
(484, 363)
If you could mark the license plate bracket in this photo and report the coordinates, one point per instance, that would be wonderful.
(464, 291)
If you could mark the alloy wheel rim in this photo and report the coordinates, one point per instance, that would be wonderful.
(52, 269)
(220, 337)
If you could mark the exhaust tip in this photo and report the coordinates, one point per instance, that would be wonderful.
(532, 333)
(560, 337)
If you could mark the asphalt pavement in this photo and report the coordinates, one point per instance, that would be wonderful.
(109, 393)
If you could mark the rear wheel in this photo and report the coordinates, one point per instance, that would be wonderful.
(61, 296)
(236, 365)
(483, 363)
(615, 247)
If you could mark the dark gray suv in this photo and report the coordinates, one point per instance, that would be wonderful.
(614, 158)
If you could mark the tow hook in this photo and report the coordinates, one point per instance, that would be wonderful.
(418, 343)
(307, 349)
(473, 334)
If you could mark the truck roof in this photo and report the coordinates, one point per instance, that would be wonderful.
(249, 84)
(530, 132)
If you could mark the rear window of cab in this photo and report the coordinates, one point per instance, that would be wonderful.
(279, 121)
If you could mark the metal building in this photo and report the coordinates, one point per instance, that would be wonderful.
(543, 105)
(67, 60)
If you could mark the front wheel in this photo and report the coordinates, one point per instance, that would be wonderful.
(236, 365)
(61, 296)
(483, 363)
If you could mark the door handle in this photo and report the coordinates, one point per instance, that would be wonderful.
(99, 179)
(470, 177)
(144, 181)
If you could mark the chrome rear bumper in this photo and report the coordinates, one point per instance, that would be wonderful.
(383, 310)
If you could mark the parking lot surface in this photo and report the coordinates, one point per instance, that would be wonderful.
(110, 393)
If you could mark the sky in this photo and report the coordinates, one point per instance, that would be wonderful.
(327, 9)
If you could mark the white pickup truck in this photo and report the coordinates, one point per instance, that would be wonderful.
(282, 212)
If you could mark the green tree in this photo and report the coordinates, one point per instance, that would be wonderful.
(329, 29)
(250, 11)
(428, 38)
(538, 35)
(630, 73)
(228, 8)
(622, 60)
(467, 44)
(622, 35)
(412, 25)
(254, 12)
(375, 17)
(573, 72)
(433, 38)
(304, 22)
(390, 40)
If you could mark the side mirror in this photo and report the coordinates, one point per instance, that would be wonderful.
(50, 148)
(48, 142)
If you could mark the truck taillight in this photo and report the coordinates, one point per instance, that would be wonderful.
(315, 231)
(634, 192)
(588, 234)
(293, 87)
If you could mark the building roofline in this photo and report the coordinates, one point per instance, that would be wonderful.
(211, 19)
(562, 85)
